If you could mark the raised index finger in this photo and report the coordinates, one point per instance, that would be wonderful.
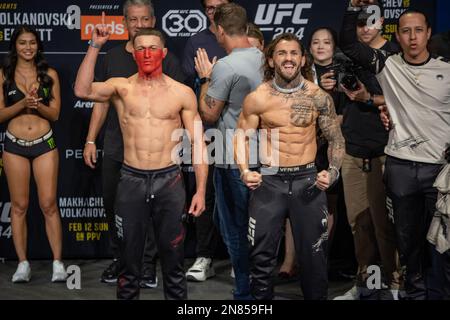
(103, 18)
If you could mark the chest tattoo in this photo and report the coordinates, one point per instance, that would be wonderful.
(302, 112)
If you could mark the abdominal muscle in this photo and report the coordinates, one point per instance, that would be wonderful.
(297, 146)
(28, 127)
(150, 147)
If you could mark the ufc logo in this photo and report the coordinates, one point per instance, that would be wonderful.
(390, 209)
(251, 231)
(275, 13)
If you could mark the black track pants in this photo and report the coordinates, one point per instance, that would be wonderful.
(157, 197)
(278, 197)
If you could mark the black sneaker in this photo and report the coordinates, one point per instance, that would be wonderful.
(111, 273)
(149, 278)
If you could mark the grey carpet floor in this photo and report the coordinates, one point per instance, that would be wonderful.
(217, 288)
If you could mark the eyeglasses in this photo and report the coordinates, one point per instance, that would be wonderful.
(210, 9)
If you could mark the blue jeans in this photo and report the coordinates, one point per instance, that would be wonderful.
(231, 215)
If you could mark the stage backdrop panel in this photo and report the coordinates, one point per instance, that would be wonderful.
(65, 27)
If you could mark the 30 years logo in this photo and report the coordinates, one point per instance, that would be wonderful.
(183, 23)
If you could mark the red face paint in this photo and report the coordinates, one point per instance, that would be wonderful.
(149, 62)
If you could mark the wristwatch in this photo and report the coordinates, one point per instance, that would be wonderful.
(336, 170)
(204, 80)
(94, 45)
(370, 101)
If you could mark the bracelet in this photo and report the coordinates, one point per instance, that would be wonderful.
(94, 45)
(336, 170)
(90, 142)
(370, 101)
(244, 172)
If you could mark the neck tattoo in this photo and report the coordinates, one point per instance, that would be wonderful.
(300, 86)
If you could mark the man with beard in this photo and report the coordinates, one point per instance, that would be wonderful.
(290, 106)
(150, 106)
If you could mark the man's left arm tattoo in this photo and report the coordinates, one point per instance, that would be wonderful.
(210, 109)
(331, 129)
(210, 102)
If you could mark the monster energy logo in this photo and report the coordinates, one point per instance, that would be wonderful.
(51, 143)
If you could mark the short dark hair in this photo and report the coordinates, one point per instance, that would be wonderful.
(412, 10)
(254, 32)
(269, 72)
(232, 18)
(150, 32)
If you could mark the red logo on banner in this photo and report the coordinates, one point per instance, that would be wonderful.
(114, 23)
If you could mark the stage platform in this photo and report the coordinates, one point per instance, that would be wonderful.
(217, 288)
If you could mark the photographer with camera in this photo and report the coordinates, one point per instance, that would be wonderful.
(416, 86)
(322, 47)
(362, 169)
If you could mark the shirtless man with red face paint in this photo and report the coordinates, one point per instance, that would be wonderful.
(150, 106)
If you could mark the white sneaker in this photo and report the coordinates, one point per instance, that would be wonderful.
(23, 272)
(355, 293)
(232, 273)
(59, 272)
(394, 293)
(201, 270)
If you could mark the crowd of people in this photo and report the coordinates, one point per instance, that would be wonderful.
(362, 112)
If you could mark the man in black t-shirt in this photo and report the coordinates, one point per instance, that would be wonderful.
(119, 62)
(439, 44)
(362, 169)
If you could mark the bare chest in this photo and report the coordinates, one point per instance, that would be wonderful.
(290, 111)
(145, 104)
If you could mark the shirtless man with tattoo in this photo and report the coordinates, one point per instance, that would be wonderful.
(150, 106)
(292, 106)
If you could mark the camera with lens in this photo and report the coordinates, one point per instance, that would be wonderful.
(345, 72)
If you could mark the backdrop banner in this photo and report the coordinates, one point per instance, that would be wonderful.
(65, 27)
